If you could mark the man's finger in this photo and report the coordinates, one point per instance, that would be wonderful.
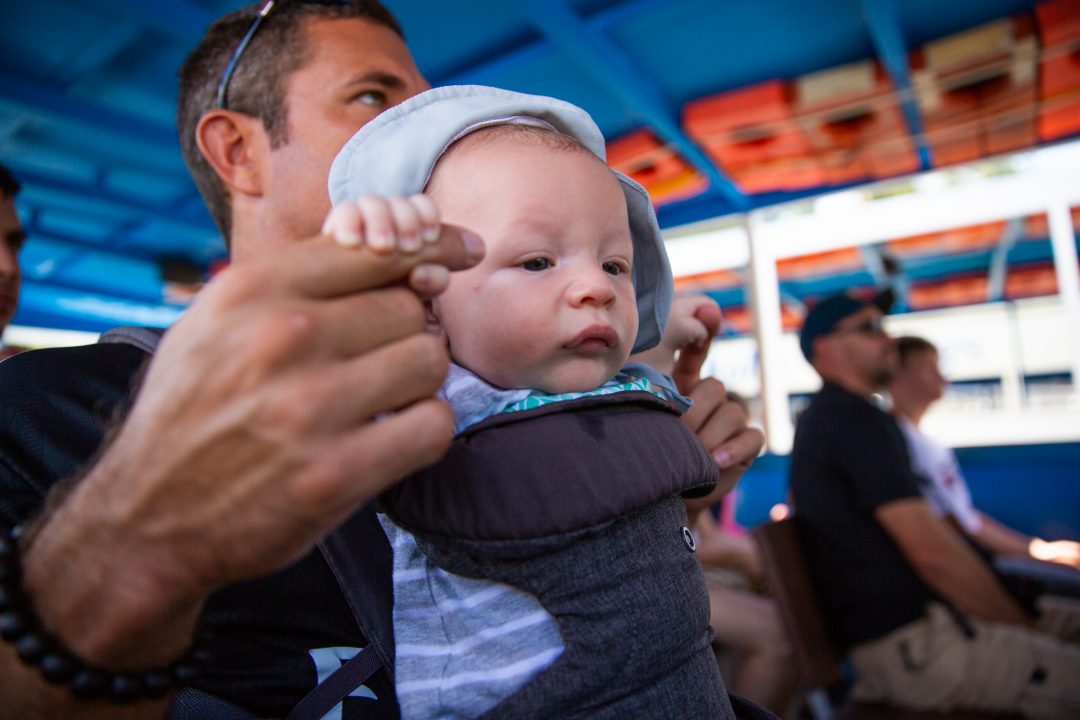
(691, 359)
(740, 450)
(707, 394)
(321, 267)
(344, 394)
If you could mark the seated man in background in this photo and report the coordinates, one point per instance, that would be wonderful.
(916, 385)
(11, 240)
(928, 623)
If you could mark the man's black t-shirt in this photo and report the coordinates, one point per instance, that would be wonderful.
(272, 638)
(849, 458)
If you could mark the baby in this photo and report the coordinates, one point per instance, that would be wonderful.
(543, 568)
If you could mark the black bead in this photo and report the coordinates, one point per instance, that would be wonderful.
(31, 647)
(56, 668)
(12, 625)
(155, 683)
(89, 683)
(9, 573)
(7, 599)
(7, 549)
(124, 689)
(184, 673)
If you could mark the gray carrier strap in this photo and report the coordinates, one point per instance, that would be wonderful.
(144, 338)
(335, 688)
(354, 572)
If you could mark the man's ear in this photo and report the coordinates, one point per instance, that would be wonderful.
(234, 145)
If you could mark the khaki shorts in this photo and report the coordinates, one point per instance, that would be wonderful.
(931, 664)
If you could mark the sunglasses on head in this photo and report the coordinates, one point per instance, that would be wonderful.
(268, 7)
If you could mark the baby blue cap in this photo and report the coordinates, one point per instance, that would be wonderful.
(395, 153)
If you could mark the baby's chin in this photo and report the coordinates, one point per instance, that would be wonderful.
(571, 380)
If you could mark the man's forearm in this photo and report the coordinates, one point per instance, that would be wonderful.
(946, 563)
(999, 539)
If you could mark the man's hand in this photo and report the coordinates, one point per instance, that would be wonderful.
(1063, 552)
(298, 385)
(719, 424)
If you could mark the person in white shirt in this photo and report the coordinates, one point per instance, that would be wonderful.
(918, 384)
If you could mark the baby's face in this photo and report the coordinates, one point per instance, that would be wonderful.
(551, 306)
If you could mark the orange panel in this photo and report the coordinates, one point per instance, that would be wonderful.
(1011, 127)
(1038, 227)
(976, 91)
(748, 125)
(949, 293)
(1060, 70)
(1059, 116)
(825, 263)
(955, 240)
(712, 280)
(893, 156)
(1031, 282)
(793, 173)
(663, 172)
(847, 106)
(1059, 20)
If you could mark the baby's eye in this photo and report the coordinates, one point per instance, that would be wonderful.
(613, 268)
(536, 264)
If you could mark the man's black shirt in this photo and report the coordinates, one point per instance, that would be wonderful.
(849, 458)
(270, 637)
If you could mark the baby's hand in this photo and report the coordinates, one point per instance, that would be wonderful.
(693, 321)
(385, 224)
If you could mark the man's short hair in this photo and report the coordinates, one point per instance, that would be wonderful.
(257, 86)
(909, 346)
(9, 186)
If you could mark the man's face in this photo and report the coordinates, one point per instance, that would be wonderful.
(862, 344)
(355, 70)
(920, 378)
(11, 239)
(552, 304)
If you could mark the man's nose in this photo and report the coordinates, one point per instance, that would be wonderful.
(9, 263)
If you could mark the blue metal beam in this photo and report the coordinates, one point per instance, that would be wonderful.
(883, 21)
(999, 259)
(523, 55)
(598, 56)
(178, 19)
(94, 191)
(52, 103)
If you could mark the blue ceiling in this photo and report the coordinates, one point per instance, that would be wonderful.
(87, 92)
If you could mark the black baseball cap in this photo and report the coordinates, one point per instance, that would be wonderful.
(824, 316)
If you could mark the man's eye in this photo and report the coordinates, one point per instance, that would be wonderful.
(613, 268)
(372, 97)
(536, 264)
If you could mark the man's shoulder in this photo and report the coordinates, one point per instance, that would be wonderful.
(67, 364)
(56, 406)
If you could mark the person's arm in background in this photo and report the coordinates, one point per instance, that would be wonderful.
(725, 550)
(252, 436)
(942, 559)
(999, 539)
(720, 425)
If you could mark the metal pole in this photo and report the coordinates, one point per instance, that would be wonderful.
(1063, 241)
(766, 313)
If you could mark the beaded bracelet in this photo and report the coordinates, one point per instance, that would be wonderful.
(36, 648)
